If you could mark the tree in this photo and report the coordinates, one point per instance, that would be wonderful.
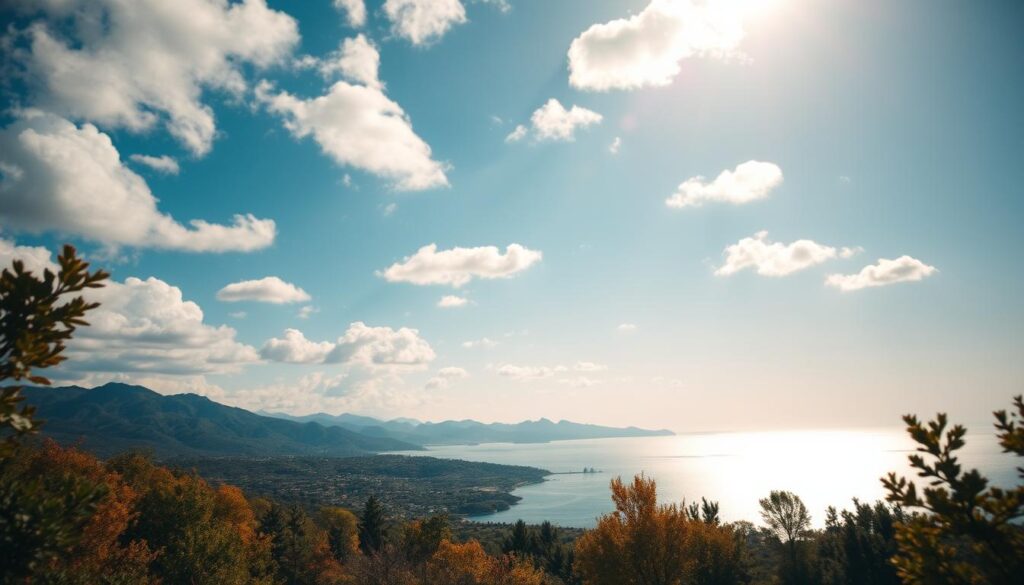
(787, 517)
(644, 543)
(301, 551)
(342, 529)
(40, 517)
(36, 321)
(857, 546)
(968, 532)
(468, 564)
(421, 538)
(372, 526)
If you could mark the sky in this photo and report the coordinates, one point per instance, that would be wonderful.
(742, 214)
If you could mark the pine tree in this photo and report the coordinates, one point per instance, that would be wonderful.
(372, 526)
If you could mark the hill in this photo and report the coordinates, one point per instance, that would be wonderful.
(462, 432)
(116, 417)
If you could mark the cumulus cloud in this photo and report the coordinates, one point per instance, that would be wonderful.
(355, 10)
(56, 176)
(883, 273)
(645, 49)
(451, 302)
(307, 311)
(483, 343)
(750, 181)
(445, 376)
(552, 122)
(458, 266)
(134, 64)
(626, 328)
(147, 326)
(776, 259)
(371, 347)
(423, 21)
(269, 289)
(162, 164)
(357, 125)
(294, 348)
(529, 372)
(615, 146)
(589, 367)
(356, 60)
(36, 259)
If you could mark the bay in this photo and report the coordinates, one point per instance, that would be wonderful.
(829, 467)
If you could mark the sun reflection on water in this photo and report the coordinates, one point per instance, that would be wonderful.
(826, 468)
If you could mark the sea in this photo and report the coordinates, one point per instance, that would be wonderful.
(736, 469)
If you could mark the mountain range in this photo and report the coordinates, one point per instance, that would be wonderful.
(466, 432)
(116, 417)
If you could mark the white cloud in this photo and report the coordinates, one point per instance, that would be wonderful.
(589, 367)
(140, 326)
(148, 326)
(133, 64)
(359, 126)
(885, 272)
(626, 328)
(750, 181)
(615, 146)
(645, 49)
(451, 302)
(294, 348)
(269, 289)
(390, 209)
(355, 11)
(423, 21)
(528, 372)
(163, 164)
(238, 315)
(458, 266)
(552, 122)
(59, 177)
(35, 259)
(517, 134)
(356, 60)
(483, 343)
(774, 258)
(370, 347)
(445, 377)
(579, 382)
(307, 311)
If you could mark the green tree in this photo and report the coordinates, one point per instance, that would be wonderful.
(857, 546)
(788, 519)
(372, 526)
(968, 532)
(342, 529)
(36, 321)
(40, 517)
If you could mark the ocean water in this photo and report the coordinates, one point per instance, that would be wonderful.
(823, 467)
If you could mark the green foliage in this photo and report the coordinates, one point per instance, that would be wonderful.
(342, 529)
(788, 519)
(967, 533)
(300, 549)
(372, 526)
(36, 321)
(856, 547)
(41, 516)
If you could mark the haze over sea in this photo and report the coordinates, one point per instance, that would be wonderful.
(736, 469)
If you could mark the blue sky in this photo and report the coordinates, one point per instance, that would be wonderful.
(895, 127)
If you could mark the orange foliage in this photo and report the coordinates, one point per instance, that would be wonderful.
(644, 543)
